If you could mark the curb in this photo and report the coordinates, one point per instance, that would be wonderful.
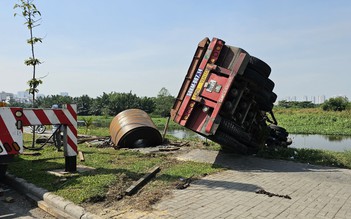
(39, 195)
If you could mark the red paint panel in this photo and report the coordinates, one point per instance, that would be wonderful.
(72, 111)
(220, 81)
(72, 144)
(194, 82)
(62, 117)
(42, 116)
(230, 80)
(6, 137)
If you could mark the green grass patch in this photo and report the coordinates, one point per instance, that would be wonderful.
(115, 169)
(314, 121)
(312, 156)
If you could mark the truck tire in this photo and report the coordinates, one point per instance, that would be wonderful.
(264, 100)
(231, 128)
(277, 128)
(229, 143)
(278, 132)
(274, 97)
(259, 66)
(3, 168)
(258, 79)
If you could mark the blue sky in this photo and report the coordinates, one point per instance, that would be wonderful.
(91, 47)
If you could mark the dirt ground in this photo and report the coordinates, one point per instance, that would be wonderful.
(115, 204)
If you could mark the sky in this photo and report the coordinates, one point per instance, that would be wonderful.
(90, 47)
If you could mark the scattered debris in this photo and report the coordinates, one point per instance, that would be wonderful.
(180, 143)
(185, 183)
(168, 148)
(82, 139)
(9, 199)
(31, 153)
(99, 143)
(142, 181)
(81, 156)
(262, 191)
(63, 173)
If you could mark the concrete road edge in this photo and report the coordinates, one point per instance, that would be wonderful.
(40, 194)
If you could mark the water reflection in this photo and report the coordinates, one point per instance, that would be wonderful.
(325, 142)
(184, 134)
(336, 137)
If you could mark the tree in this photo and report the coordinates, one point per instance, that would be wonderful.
(164, 102)
(30, 13)
(84, 103)
(296, 104)
(335, 104)
(147, 104)
(48, 101)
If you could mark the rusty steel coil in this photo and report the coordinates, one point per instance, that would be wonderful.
(134, 128)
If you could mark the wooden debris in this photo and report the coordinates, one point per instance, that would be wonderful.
(31, 153)
(169, 148)
(165, 129)
(142, 181)
(81, 156)
(180, 144)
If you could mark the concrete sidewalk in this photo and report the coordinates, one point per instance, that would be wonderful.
(53, 204)
(315, 191)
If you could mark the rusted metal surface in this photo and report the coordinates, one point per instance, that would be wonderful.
(134, 128)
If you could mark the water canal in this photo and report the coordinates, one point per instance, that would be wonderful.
(324, 142)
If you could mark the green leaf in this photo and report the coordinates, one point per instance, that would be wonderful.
(32, 61)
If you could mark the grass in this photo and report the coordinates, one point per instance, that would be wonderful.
(314, 121)
(115, 170)
(312, 156)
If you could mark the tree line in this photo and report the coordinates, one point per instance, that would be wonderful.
(332, 104)
(108, 104)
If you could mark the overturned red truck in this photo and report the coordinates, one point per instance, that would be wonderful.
(227, 97)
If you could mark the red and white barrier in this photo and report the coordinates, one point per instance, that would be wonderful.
(11, 135)
(66, 116)
(12, 120)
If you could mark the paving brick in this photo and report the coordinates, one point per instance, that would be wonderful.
(316, 192)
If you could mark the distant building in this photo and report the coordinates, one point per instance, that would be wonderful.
(6, 97)
(321, 99)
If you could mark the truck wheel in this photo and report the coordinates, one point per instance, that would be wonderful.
(274, 97)
(258, 79)
(3, 168)
(233, 129)
(277, 128)
(259, 66)
(229, 143)
(264, 100)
